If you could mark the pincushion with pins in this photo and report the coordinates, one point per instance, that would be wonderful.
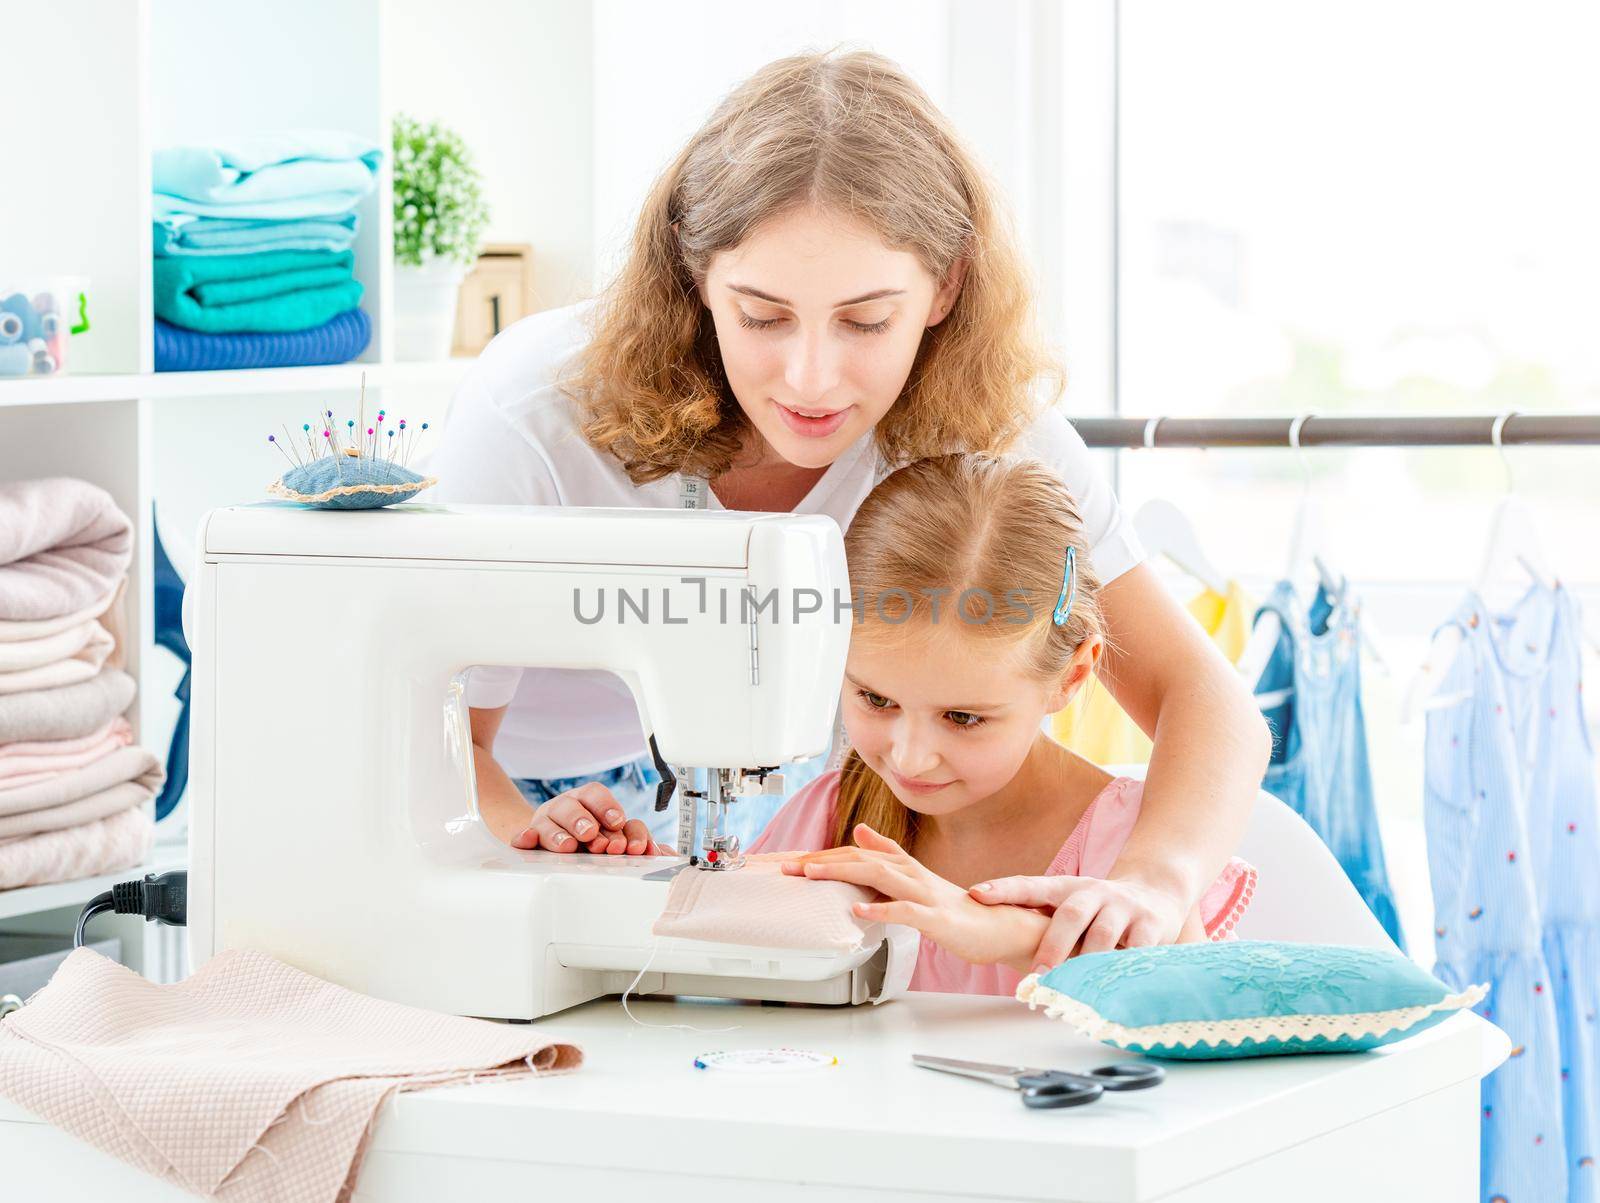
(357, 468)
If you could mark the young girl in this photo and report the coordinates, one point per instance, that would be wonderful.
(977, 617)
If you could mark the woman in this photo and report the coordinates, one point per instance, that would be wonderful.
(822, 286)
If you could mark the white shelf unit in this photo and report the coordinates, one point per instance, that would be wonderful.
(124, 78)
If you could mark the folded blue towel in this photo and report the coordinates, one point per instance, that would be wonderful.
(301, 174)
(184, 234)
(336, 341)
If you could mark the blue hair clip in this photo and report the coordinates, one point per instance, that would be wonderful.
(1069, 589)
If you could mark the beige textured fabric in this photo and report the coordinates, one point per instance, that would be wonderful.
(119, 841)
(250, 1081)
(760, 906)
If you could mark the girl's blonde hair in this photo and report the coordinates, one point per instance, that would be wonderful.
(848, 132)
(993, 532)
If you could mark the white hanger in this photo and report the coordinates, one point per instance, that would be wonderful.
(1512, 533)
(1512, 538)
(1308, 561)
(1165, 530)
(1252, 661)
(1307, 551)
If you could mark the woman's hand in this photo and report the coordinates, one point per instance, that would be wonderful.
(589, 818)
(1101, 914)
(919, 898)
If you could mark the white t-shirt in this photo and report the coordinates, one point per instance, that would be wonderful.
(512, 437)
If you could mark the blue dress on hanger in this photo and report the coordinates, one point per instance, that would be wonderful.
(1514, 855)
(1310, 693)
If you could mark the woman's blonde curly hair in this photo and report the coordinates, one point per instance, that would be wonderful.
(848, 132)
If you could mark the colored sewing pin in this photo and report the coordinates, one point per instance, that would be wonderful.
(273, 439)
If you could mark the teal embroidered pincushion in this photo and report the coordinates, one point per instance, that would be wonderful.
(346, 470)
(1244, 998)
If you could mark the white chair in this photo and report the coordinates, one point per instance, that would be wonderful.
(1302, 893)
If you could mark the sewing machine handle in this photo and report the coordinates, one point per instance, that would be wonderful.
(669, 779)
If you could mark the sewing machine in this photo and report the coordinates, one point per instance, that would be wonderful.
(334, 817)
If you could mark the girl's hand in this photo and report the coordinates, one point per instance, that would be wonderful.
(1100, 914)
(919, 898)
(586, 818)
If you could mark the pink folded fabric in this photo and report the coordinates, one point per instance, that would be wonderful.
(83, 663)
(250, 1081)
(115, 620)
(80, 810)
(67, 711)
(64, 545)
(132, 763)
(119, 841)
(25, 763)
(21, 630)
(18, 654)
(760, 906)
(123, 778)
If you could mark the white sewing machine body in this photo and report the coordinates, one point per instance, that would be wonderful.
(334, 821)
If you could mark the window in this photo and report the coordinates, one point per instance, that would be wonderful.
(1370, 208)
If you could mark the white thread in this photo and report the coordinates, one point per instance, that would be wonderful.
(682, 1027)
(258, 1147)
(305, 1114)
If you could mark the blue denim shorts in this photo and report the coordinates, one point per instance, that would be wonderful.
(634, 787)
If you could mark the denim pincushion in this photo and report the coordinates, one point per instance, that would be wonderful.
(1244, 998)
(339, 482)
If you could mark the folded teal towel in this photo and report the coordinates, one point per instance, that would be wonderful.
(267, 293)
(291, 175)
(184, 234)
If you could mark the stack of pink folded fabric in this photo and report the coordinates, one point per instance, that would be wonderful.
(73, 784)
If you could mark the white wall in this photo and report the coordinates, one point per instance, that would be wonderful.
(660, 70)
(516, 79)
(573, 109)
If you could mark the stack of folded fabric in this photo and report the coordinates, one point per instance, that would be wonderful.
(74, 788)
(254, 260)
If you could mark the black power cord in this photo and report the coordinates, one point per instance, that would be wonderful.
(160, 898)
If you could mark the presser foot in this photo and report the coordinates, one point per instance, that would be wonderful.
(721, 853)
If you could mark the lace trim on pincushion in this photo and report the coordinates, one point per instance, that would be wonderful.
(1219, 1032)
(278, 489)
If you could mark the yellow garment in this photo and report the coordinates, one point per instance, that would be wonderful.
(1096, 728)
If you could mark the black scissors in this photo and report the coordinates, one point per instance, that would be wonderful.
(1052, 1087)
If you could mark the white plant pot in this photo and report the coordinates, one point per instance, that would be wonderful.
(425, 308)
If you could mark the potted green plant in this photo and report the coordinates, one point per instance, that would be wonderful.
(439, 215)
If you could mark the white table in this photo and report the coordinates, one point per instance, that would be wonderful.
(639, 1121)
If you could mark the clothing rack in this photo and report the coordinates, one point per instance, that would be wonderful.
(1309, 430)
